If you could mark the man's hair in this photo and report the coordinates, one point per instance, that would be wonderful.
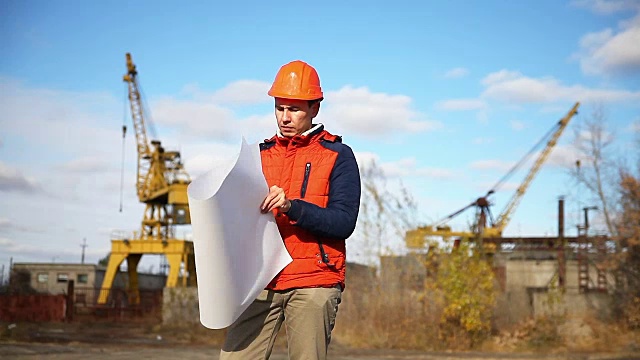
(312, 102)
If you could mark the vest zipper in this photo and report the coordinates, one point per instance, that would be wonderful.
(323, 255)
(307, 170)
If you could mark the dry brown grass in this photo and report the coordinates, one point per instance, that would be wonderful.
(559, 334)
(371, 317)
(379, 319)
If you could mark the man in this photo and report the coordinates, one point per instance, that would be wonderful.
(315, 196)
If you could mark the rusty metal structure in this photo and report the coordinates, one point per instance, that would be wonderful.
(486, 231)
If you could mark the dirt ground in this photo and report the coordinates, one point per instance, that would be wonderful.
(147, 341)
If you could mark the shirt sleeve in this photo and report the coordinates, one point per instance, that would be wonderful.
(338, 219)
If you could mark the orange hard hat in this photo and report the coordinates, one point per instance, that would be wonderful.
(296, 80)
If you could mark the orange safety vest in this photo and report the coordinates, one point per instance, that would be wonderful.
(302, 167)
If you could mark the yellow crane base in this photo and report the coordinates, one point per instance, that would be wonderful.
(176, 251)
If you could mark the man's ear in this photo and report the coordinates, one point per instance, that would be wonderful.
(315, 108)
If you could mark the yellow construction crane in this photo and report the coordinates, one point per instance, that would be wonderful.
(480, 232)
(161, 184)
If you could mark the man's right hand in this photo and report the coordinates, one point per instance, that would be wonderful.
(275, 199)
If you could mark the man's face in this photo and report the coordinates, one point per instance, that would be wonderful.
(295, 116)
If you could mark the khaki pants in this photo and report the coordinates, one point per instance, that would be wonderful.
(308, 314)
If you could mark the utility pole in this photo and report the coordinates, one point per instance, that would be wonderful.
(83, 246)
(562, 262)
(586, 218)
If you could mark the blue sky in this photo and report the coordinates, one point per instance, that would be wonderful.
(445, 96)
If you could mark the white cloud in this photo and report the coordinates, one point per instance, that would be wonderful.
(207, 116)
(402, 168)
(635, 126)
(600, 135)
(87, 164)
(511, 86)
(241, 92)
(408, 167)
(491, 165)
(205, 157)
(12, 179)
(507, 186)
(71, 143)
(462, 104)
(197, 118)
(361, 112)
(456, 73)
(606, 7)
(20, 250)
(436, 173)
(564, 156)
(609, 52)
(66, 123)
(356, 111)
(366, 159)
(8, 225)
(78, 136)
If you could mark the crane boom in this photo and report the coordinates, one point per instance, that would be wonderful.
(504, 218)
(161, 180)
(415, 238)
(137, 115)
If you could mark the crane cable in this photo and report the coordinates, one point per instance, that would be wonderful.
(504, 178)
(124, 133)
(544, 139)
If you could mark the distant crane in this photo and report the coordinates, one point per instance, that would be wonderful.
(161, 184)
(483, 230)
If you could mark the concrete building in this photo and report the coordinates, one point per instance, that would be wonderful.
(53, 278)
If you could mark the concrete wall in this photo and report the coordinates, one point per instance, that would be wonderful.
(527, 292)
(401, 273)
(545, 303)
(180, 306)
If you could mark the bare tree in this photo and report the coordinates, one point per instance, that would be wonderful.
(615, 185)
(596, 168)
(385, 213)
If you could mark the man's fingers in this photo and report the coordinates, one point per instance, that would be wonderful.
(269, 202)
(274, 199)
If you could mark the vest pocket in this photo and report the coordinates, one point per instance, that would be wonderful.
(305, 181)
